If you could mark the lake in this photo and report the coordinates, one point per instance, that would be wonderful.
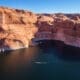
(44, 62)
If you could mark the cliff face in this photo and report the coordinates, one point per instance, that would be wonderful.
(16, 28)
(19, 28)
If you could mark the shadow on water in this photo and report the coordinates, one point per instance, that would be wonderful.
(64, 52)
(68, 53)
(50, 60)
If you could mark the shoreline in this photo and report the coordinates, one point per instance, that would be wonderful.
(27, 46)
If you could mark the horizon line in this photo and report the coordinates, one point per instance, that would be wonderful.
(30, 10)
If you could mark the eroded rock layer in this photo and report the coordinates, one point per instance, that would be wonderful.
(19, 28)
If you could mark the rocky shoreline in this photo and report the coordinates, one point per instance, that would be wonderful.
(21, 29)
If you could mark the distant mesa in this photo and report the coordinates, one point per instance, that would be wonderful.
(20, 28)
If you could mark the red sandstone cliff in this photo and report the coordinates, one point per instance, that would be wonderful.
(18, 28)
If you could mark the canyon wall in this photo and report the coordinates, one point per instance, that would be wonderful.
(20, 29)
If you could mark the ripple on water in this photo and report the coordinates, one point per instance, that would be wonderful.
(37, 62)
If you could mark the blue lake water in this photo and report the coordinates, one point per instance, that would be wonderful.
(41, 63)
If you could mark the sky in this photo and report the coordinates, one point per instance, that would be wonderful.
(44, 6)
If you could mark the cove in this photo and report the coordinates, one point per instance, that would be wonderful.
(50, 60)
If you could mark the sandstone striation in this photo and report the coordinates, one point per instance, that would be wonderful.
(20, 29)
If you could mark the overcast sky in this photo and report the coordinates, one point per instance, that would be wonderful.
(44, 6)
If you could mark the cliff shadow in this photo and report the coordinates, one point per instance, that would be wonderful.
(70, 53)
(64, 52)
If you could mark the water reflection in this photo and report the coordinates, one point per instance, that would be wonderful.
(56, 61)
(17, 59)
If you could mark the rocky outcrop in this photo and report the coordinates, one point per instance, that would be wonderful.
(16, 28)
(19, 28)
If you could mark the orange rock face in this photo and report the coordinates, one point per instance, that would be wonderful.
(18, 28)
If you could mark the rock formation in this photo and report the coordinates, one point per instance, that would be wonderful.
(19, 28)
